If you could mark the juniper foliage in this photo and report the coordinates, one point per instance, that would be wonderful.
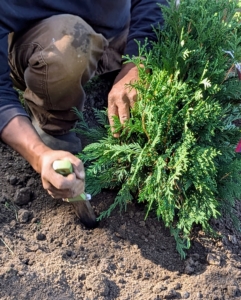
(177, 151)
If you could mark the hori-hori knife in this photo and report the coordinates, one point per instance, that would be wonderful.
(81, 203)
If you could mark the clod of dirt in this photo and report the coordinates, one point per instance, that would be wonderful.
(225, 240)
(22, 196)
(106, 267)
(170, 294)
(189, 270)
(233, 239)
(185, 295)
(159, 287)
(142, 223)
(99, 284)
(81, 276)
(199, 295)
(24, 215)
(40, 236)
(233, 291)
(31, 182)
(190, 266)
(3, 198)
(178, 286)
(32, 248)
(66, 254)
(195, 256)
(13, 180)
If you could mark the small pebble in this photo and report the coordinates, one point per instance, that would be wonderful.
(189, 270)
(147, 275)
(131, 214)
(81, 276)
(32, 248)
(13, 180)
(178, 286)
(159, 287)
(23, 215)
(213, 259)
(135, 247)
(195, 256)
(171, 294)
(225, 240)
(233, 239)
(142, 223)
(186, 295)
(190, 262)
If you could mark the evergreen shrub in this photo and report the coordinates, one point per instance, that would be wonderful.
(177, 151)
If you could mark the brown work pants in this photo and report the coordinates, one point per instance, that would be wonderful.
(53, 60)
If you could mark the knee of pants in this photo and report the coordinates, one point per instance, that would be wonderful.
(65, 57)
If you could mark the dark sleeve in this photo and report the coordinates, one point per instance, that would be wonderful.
(10, 105)
(145, 14)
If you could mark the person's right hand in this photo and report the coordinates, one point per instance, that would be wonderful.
(22, 137)
(57, 185)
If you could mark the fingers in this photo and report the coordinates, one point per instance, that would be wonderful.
(120, 108)
(112, 111)
(58, 181)
(122, 96)
(59, 186)
(68, 189)
(54, 193)
(124, 111)
(119, 105)
(78, 167)
(132, 97)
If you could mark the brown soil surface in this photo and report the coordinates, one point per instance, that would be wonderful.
(46, 253)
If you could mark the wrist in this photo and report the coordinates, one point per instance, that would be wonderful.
(20, 135)
(128, 66)
(36, 155)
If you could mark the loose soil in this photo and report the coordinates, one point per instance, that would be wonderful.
(46, 253)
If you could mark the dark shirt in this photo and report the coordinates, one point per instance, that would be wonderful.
(108, 17)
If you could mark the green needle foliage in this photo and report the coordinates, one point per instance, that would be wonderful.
(177, 151)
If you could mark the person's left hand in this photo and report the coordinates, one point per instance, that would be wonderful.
(122, 96)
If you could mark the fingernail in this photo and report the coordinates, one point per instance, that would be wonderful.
(80, 175)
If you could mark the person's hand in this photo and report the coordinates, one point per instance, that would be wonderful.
(122, 96)
(22, 137)
(59, 186)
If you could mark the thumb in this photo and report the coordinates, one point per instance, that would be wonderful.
(79, 171)
(80, 174)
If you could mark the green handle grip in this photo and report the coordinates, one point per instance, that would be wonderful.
(64, 167)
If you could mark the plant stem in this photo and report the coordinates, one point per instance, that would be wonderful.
(6, 245)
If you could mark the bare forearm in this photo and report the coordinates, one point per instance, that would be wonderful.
(22, 137)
